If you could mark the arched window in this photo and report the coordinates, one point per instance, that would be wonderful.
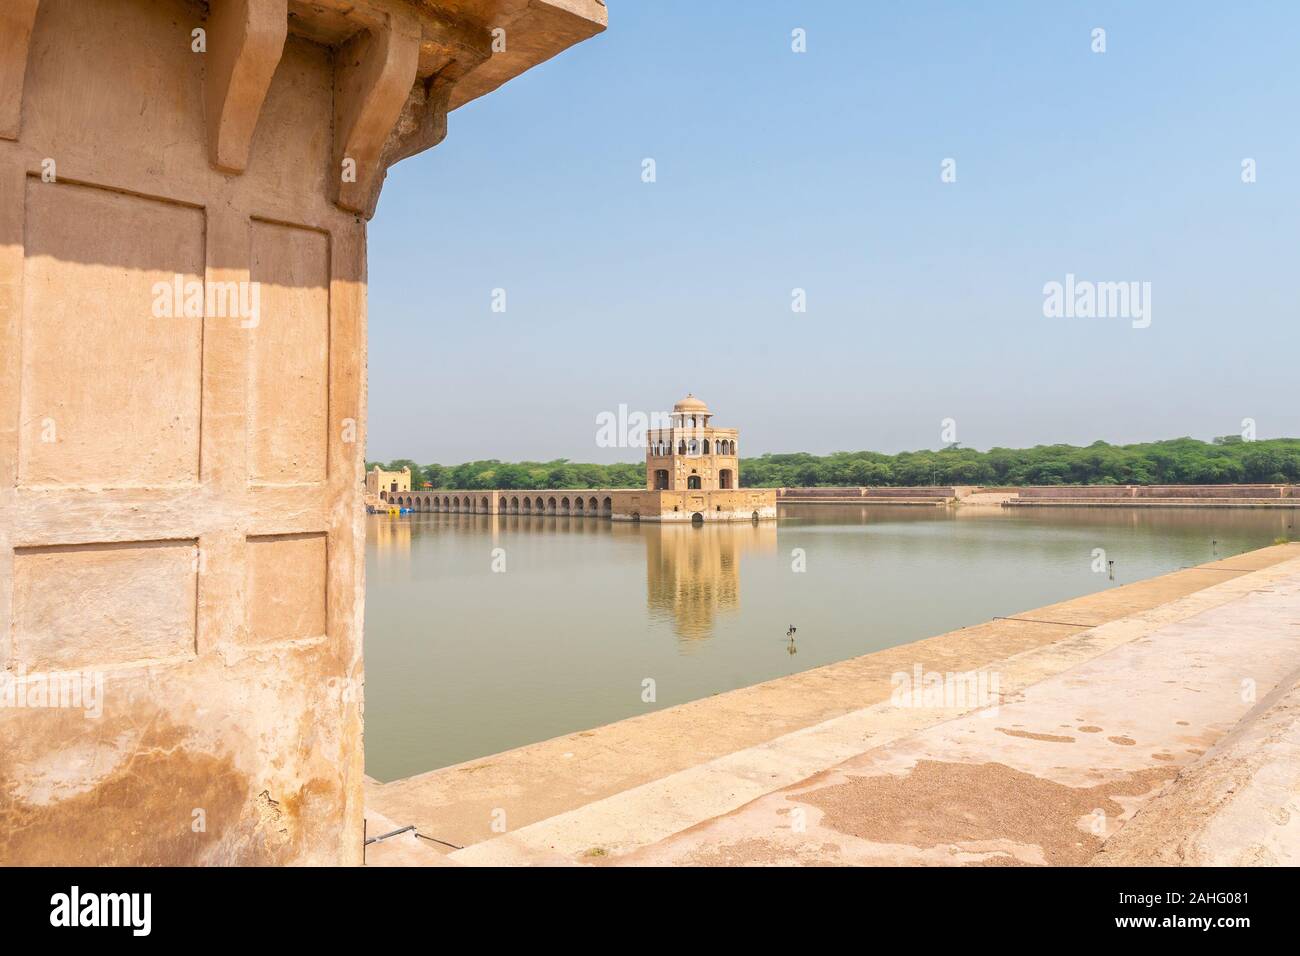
(693, 448)
(681, 446)
(693, 481)
(706, 446)
(724, 478)
(661, 479)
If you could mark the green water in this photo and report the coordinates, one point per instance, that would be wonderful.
(463, 660)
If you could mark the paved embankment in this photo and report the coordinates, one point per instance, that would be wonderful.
(616, 791)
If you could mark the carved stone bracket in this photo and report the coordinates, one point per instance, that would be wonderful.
(16, 20)
(373, 78)
(245, 43)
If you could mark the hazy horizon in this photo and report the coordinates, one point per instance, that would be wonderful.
(823, 171)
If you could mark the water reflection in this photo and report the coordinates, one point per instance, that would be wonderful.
(693, 572)
(390, 541)
(485, 632)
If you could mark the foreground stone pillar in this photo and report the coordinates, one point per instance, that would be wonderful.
(184, 190)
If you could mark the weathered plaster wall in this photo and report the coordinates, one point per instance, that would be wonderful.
(180, 494)
(173, 485)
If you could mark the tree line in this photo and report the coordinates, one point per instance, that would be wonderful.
(1226, 460)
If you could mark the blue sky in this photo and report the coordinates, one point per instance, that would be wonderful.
(821, 170)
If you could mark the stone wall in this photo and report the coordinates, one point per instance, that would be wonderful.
(183, 195)
(620, 504)
(1157, 491)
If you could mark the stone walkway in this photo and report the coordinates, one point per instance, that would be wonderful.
(1043, 779)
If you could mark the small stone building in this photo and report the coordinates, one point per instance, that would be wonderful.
(381, 484)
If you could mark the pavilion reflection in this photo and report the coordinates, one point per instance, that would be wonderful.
(693, 572)
(392, 537)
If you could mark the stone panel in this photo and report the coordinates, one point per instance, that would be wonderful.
(90, 605)
(110, 391)
(289, 378)
(286, 587)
